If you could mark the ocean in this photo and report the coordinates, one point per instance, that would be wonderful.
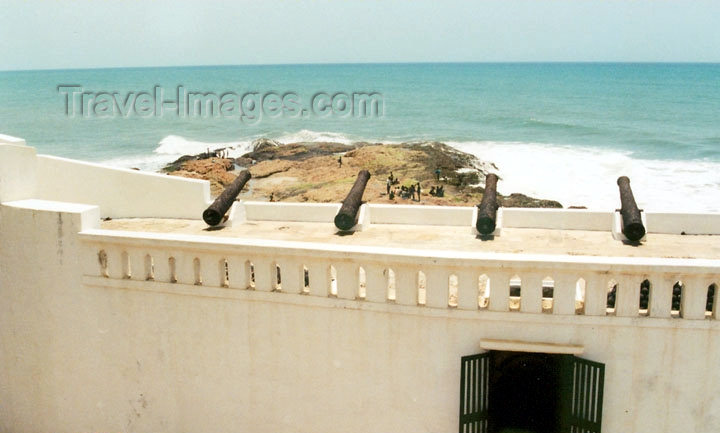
(561, 131)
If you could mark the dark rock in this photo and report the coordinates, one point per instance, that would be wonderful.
(296, 151)
(244, 162)
(521, 200)
(177, 164)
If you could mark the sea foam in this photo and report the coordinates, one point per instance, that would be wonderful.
(584, 176)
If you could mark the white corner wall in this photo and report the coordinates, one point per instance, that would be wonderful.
(120, 192)
(17, 172)
(8, 139)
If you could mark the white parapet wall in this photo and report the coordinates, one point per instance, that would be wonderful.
(276, 211)
(550, 219)
(7, 139)
(18, 172)
(120, 193)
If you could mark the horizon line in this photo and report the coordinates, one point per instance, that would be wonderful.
(509, 62)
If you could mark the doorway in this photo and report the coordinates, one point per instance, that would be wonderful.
(525, 390)
(528, 392)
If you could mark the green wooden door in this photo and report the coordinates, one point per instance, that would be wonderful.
(583, 395)
(474, 386)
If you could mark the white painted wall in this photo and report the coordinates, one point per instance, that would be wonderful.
(17, 172)
(83, 353)
(87, 353)
(552, 219)
(422, 215)
(284, 211)
(121, 192)
(7, 139)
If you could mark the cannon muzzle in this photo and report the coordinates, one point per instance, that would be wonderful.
(347, 216)
(633, 228)
(214, 214)
(487, 209)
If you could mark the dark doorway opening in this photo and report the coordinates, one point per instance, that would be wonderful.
(525, 390)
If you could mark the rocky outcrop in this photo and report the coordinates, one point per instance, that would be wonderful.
(312, 172)
(217, 170)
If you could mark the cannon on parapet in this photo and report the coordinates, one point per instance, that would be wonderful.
(632, 225)
(487, 209)
(214, 214)
(347, 216)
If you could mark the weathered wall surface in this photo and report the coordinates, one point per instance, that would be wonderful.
(83, 355)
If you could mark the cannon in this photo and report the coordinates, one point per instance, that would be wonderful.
(214, 214)
(632, 227)
(487, 209)
(347, 216)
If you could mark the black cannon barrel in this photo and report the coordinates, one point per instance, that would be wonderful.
(347, 216)
(633, 227)
(487, 209)
(214, 213)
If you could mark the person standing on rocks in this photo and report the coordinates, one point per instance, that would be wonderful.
(388, 184)
(418, 189)
(340, 161)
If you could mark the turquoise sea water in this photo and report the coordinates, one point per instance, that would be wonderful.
(561, 131)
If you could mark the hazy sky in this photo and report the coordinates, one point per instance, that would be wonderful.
(82, 34)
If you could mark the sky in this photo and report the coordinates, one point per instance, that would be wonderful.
(91, 34)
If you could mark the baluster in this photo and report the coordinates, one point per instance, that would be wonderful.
(185, 268)
(661, 290)
(467, 289)
(628, 295)
(265, 274)
(499, 290)
(319, 274)
(564, 294)
(406, 285)
(136, 260)
(238, 273)
(212, 270)
(531, 292)
(162, 266)
(596, 291)
(292, 275)
(376, 282)
(694, 297)
(115, 261)
(437, 287)
(347, 280)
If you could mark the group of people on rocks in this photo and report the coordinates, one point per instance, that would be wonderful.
(437, 191)
(412, 192)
